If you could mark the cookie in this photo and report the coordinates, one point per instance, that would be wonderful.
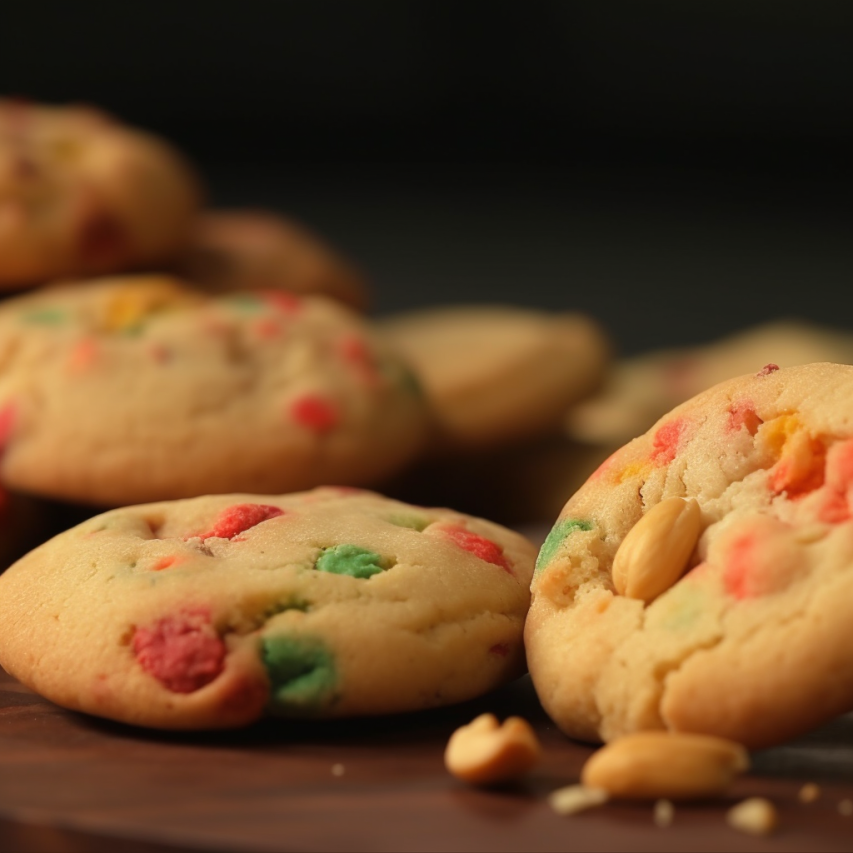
(499, 374)
(641, 389)
(211, 612)
(699, 581)
(82, 193)
(136, 388)
(255, 248)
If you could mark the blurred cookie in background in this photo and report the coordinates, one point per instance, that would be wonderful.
(641, 389)
(255, 248)
(498, 375)
(133, 388)
(82, 193)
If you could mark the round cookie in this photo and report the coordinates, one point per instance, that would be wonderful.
(739, 508)
(211, 612)
(499, 374)
(251, 249)
(84, 194)
(641, 389)
(138, 388)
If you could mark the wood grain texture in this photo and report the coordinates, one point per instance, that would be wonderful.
(74, 783)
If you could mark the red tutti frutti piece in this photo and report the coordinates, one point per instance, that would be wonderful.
(287, 303)
(801, 468)
(666, 440)
(479, 546)
(183, 652)
(102, 236)
(315, 412)
(239, 518)
(7, 423)
(742, 414)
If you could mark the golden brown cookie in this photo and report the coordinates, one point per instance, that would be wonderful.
(699, 581)
(82, 193)
(139, 388)
(213, 611)
(496, 375)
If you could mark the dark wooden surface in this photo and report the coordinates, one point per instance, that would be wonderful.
(74, 783)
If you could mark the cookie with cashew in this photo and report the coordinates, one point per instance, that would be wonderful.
(698, 581)
(83, 193)
(214, 611)
(138, 388)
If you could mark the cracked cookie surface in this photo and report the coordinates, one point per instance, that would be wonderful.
(140, 388)
(214, 611)
(752, 639)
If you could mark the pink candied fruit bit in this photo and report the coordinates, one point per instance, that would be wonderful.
(666, 440)
(238, 518)
(736, 572)
(833, 508)
(768, 369)
(315, 412)
(839, 468)
(7, 423)
(742, 414)
(477, 545)
(83, 355)
(355, 351)
(183, 652)
(287, 303)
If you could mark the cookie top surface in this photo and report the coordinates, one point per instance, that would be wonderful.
(498, 374)
(213, 611)
(748, 637)
(139, 388)
(262, 249)
(84, 194)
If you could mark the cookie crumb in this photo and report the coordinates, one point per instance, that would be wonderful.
(809, 793)
(576, 798)
(338, 770)
(664, 813)
(756, 816)
(845, 808)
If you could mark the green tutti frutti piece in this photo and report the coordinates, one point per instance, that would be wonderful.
(563, 528)
(246, 303)
(45, 316)
(351, 560)
(302, 674)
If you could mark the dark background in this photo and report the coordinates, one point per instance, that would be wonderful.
(677, 170)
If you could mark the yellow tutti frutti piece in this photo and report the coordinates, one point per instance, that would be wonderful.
(126, 309)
